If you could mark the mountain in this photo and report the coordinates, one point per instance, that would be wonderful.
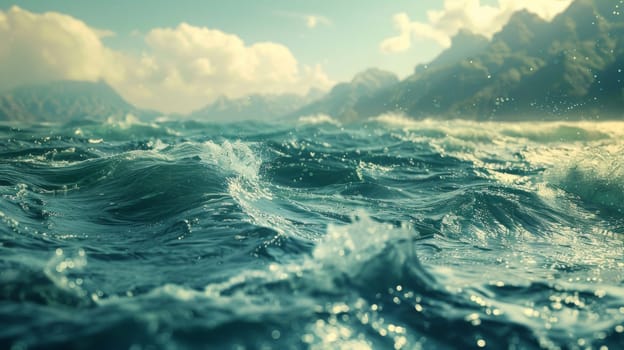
(341, 100)
(62, 101)
(463, 44)
(569, 68)
(253, 107)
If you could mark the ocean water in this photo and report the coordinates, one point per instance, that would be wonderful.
(387, 234)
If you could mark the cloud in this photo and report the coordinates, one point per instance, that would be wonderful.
(187, 66)
(312, 21)
(181, 68)
(442, 25)
(407, 30)
(51, 46)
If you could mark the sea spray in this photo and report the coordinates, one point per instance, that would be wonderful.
(388, 233)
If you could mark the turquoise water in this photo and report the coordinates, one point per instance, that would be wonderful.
(387, 234)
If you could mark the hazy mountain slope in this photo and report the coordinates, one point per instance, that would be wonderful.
(262, 107)
(463, 44)
(569, 68)
(341, 100)
(63, 101)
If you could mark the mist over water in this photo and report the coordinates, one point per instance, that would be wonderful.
(390, 233)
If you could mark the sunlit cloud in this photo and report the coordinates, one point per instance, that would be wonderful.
(181, 69)
(312, 21)
(188, 66)
(104, 33)
(51, 46)
(442, 25)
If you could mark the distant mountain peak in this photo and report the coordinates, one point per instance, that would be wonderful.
(570, 67)
(340, 101)
(521, 30)
(465, 36)
(464, 44)
(255, 106)
(62, 101)
(375, 77)
(525, 16)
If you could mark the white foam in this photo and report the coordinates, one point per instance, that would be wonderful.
(245, 186)
(233, 156)
(318, 119)
(594, 174)
(128, 121)
(486, 131)
(349, 245)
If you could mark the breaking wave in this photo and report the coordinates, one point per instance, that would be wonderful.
(392, 233)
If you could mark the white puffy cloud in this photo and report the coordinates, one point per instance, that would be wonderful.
(36, 48)
(181, 69)
(407, 30)
(186, 67)
(471, 15)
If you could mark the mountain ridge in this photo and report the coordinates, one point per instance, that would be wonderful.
(253, 106)
(569, 68)
(532, 69)
(65, 100)
(342, 98)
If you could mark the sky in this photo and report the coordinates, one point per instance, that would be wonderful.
(179, 56)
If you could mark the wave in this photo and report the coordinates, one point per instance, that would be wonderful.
(384, 234)
(595, 175)
(540, 132)
(245, 186)
(365, 253)
(581, 158)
